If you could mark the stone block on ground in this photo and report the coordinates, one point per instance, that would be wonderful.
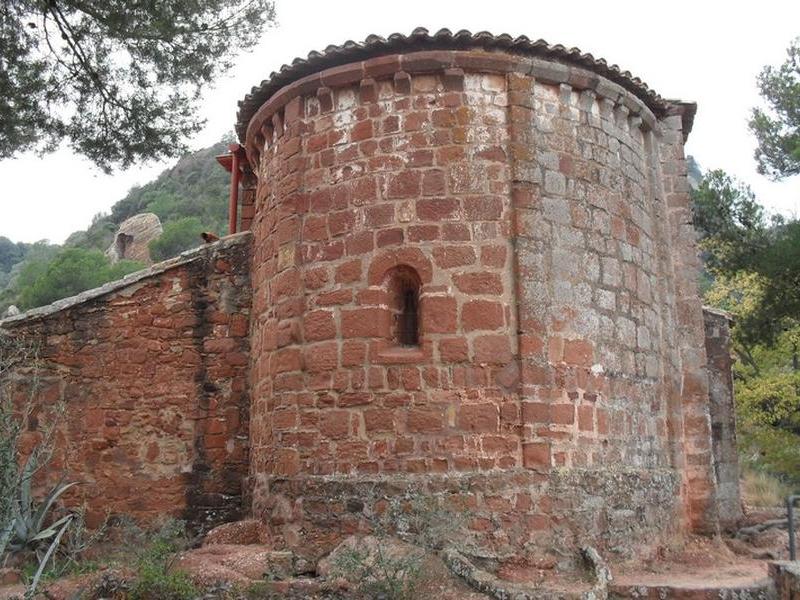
(226, 563)
(248, 531)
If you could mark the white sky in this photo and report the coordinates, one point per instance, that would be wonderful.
(709, 52)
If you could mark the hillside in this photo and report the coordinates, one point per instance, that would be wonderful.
(195, 188)
(189, 198)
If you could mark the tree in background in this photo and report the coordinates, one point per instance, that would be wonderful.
(178, 236)
(70, 272)
(196, 188)
(119, 79)
(737, 238)
(754, 263)
(778, 128)
(755, 266)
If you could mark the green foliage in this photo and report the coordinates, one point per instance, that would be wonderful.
(11, 253)
(738, 239)
(100, 234)
(777, 129)
(178, 236)
(772, 450)
(119, 80)
(153, 582)
(768, 395)
(188, 198)
(27, 525)
(377, 572)
(754, 268)
(195, 187)
(378, 566)
(32, 526)
(156, 578)
(725, 207)
(71, 271)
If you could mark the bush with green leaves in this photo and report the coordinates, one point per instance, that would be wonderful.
(380, 570)
(71, 271)
(188, 198)
(178, 236)
(389, 563)
(156, 577)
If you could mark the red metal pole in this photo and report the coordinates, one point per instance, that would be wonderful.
(233, 204)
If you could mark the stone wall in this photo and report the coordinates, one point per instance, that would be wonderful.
(472, 279)
(539, 218)
(336, 393)
(723, 416)
(152, 373)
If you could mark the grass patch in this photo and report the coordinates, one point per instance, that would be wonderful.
(763, 489)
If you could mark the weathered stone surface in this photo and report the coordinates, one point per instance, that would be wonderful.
(248, 531)
(133, 236)
(226, 563)
(11, 311)
(9, 576)
(374, 549)
(465, 282)
(786, 577)
(152, 371)
(723, 416)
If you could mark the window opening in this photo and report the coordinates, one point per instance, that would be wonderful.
(408, 330)
(403, 287)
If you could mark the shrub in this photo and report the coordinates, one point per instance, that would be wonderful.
(156, 579)
(771, 450)
(377, 569)
(71, 271)
(380, 566)
(762, 489)
(178, 236)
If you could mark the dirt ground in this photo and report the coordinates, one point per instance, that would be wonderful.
(729, 561)
(699, 563)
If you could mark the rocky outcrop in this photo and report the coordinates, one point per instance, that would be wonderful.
(133, 238)
(11, 311)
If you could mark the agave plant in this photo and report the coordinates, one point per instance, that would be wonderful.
(28, 529)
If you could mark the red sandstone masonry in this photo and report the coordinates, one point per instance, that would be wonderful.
(537, 259)
(357, 210)
(153, 375)
(528, 210)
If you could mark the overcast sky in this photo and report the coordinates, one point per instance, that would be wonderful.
(708, 52)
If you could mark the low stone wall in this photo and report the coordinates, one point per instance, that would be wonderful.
(723, 416)
(785, 576)
(152, 373)
(503, 515)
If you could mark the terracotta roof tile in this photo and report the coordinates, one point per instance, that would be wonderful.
(421, 39)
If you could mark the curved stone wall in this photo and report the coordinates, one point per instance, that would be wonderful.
(528, 219)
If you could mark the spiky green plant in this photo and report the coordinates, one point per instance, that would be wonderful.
(30, 527)
(26, 523)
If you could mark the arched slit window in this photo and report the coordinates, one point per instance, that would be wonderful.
(403, 287)
(408, 327)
